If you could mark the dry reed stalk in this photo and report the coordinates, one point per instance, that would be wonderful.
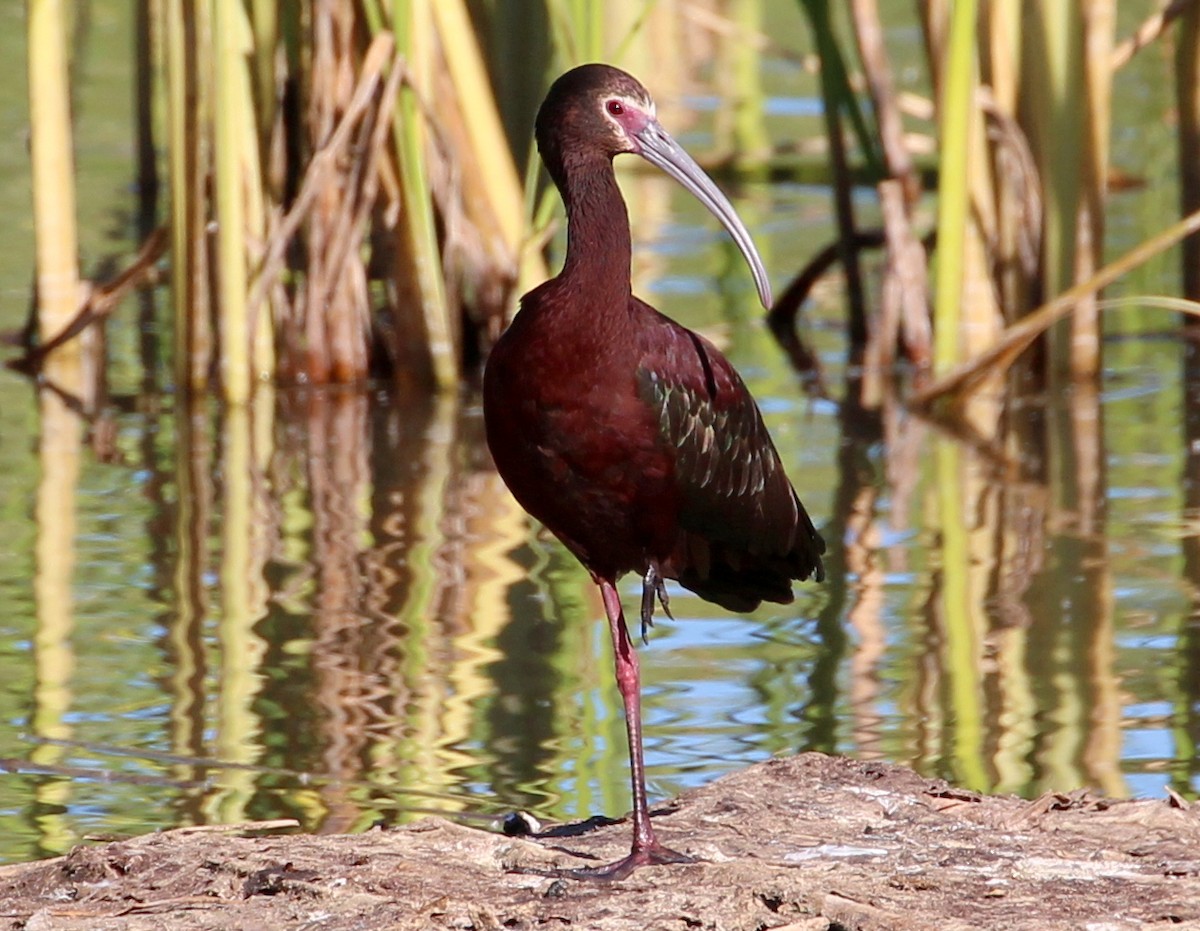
(1099, 24)
(231, 107)
(187, 41)
(333, 313)
(935, 31)
(868, 32)
(833, 92)
(1016, 198)
(907, 281)
(423, 339)
(376, 128)
(1150, 30)
(1051, 94)
(100, 301)
(327, 155)
(907, 284)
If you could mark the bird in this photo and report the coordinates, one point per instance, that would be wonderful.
(628, 436)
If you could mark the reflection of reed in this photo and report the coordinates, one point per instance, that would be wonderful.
(59, 448)
(1086, 485)
(442, 530)
(1023, 637)
(400, 556)
(1020, 554)
(1187, 699)
(860, 429)
(415, 471)
(184, 644)
(957, 613)
(1070, 645)
(857, 502)
(244, 534)
(335, 458)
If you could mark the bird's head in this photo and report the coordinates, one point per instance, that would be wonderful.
(597, 110)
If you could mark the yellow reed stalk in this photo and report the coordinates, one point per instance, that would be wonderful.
(751, 141)
(981, 318)
(230, 80)
(53, 171)
(959, 79)
(473, 91)
(186, 40)
(1001, 47)
(259, 118)
(264, 22)
(412, 20)
(1001, 28)
(495, 173)
(1052, 94)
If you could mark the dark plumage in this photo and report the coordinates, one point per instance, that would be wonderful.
(629, 436)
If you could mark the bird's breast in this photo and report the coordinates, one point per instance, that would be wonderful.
(581, 451)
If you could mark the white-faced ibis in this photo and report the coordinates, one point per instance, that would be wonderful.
(629, 436)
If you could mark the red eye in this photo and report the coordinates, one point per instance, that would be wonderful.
(614, 107)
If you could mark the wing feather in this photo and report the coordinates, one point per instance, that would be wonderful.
(746, 533)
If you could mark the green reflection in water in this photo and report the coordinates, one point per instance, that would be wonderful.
(334, 611)
(362, 624)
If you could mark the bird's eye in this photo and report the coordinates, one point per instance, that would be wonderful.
(615, 107)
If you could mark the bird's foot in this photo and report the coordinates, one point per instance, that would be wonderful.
(653, 586)
(654, 855)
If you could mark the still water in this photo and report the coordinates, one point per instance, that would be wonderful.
(328, 607)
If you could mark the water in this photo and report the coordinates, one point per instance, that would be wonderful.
(328, 607)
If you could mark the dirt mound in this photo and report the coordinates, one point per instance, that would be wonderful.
(810, 842)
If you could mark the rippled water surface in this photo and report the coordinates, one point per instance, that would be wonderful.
(328, 607)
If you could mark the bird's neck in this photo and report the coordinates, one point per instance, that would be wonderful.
(597, 265)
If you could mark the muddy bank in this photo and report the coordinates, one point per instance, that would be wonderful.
(810, 842)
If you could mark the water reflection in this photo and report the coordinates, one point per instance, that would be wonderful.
(326, 606)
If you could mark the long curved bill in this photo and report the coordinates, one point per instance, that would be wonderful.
(660, 150)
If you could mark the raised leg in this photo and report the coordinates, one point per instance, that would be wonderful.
(653, 585)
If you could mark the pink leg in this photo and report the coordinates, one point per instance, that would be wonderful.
(646, 849)
(629, 681)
